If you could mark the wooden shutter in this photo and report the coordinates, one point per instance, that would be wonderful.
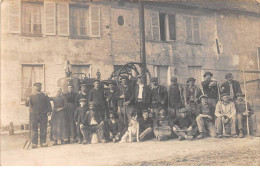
(50, 17)
(172, 27)
(63, 19)
(196, 29)
(14, 24)
(95, 22)
(189, 29)
(155, 26)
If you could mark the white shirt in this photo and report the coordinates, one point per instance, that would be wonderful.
(228, 110)
(140, 93)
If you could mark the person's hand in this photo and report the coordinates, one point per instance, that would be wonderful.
(226, 120)
(212, 83)
(48, 113)
(107, 99)
(190, 128)
(81, 125)
(208, 116)
(122, 96)
(110, 135)
(58, 109)
(127, 103)
(163, 102)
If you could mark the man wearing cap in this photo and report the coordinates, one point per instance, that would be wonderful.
(97, 95)
(205, 118)
(159, 97)
(142, 96)
(146, 126)
(226, 114)
(175, 98)
(242, 116)
(191, 92)
(125, 102)
(232, 87)
(210, 88)
(82, 94)
(112, 96)
(40, 108)
(71, 108)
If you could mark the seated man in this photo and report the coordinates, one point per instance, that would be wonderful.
(183, 126)
(92, 126)
(162, 129)
(113, 128)
(242, 116)
(226, 114)
(205, 118)
(146, 126)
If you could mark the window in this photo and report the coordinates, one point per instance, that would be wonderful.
(192, 29)
(162, 72)
(81, 69)
(79, 20)
(195, 72)
(30, 75)
(32, 18)
(163, 27)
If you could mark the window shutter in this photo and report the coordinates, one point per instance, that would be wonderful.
(172, 27)
(196, 29)
(63, 19)
(95, 22)
(14, 16)
(155, 26)
(50, 15)
(189, 29)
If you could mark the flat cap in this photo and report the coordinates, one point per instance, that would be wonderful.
(96, 80)
(224, 94)
(92, 103)
(82, 100)
(240, 95)
(203, 96)
(124, 77)
(83, 84)
(154, 79)
(184, 110)
(228, 75)
(191, 79)
(207, 73)
(112, 82)
(173, 79)
(139, 76)
(37, 84)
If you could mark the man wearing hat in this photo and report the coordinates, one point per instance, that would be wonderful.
(210, 88)
(146, 126)
(125, 102)
(112, 96)
(226, 114)
(97, 95)
(205, 118)
(142, 96)
(113, 128)
(159, 97)
(232, 87)
(82, 94)
(176, 100)
(191, 92)
(40, 108)
(242, 116)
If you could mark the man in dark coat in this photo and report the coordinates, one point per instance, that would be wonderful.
(210, 88)
(97, 95)
(40, 108)
(176, 100)
(142, 96)
(112, 96)
(82, 94)
(159, 97)
(231, 87)
(146, 126)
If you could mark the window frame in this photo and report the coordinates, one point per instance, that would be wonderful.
(42, 19)
(155, 72)
(43, 74)
(192, 41)
(82, 65)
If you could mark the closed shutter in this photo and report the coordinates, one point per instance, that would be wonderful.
(196, 29)
(189, 29)
(95, 22)
(63, 19)
(14, 16)
(155, 26)
(50, 15)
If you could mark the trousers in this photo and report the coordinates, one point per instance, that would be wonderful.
(203, 124)
(219, 125)
(41, 119)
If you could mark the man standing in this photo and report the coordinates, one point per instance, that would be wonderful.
(40, 108)
(142, 96)
(82, 94)
(231, 87)
(205, 117)
(112, 96)
(210, 88)
(126, 100)
(97, 95)
(175, 98)
(226, 114)
(159, 97)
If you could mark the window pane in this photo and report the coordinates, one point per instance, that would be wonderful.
(162, 26)
(78, 21)
(162, 73)
(188, 29)
(172, 28)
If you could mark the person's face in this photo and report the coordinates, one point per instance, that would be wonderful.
(145, 115)
(70, 89)
(58, 92)
(240, 98)
(204, 101)
(191, 82)
(183, 114)
(83, 88)
(174, 82)
(140, 80)
(111, 86)
(38, 88)
(96, 85)
(230, 79)
(154, 83)
(111, 115)
(225, 99)
(91, 107)
(162, 113)
(208, 77)
(82, 104)
(124, 81)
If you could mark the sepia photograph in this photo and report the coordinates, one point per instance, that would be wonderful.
(130, 83)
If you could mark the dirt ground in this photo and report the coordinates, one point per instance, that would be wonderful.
(209, 151)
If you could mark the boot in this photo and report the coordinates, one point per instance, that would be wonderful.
(234, 136)
(201, 136)
(241, 135)
(85, 142)
(34, 146)
(55, 142)
(180, 138)
(219, 136)
(80, 141)
(44, 145)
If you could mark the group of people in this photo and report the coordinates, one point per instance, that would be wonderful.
(137, 112)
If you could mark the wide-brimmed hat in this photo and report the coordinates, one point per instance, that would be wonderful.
(207, 73)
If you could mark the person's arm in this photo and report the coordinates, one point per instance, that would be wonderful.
(198, 110)
(249, 107)
(218, 109)
(76, 115)
(49, 108)
(28, 101)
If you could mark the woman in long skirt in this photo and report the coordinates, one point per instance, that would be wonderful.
(59, 118)
(71, 108)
